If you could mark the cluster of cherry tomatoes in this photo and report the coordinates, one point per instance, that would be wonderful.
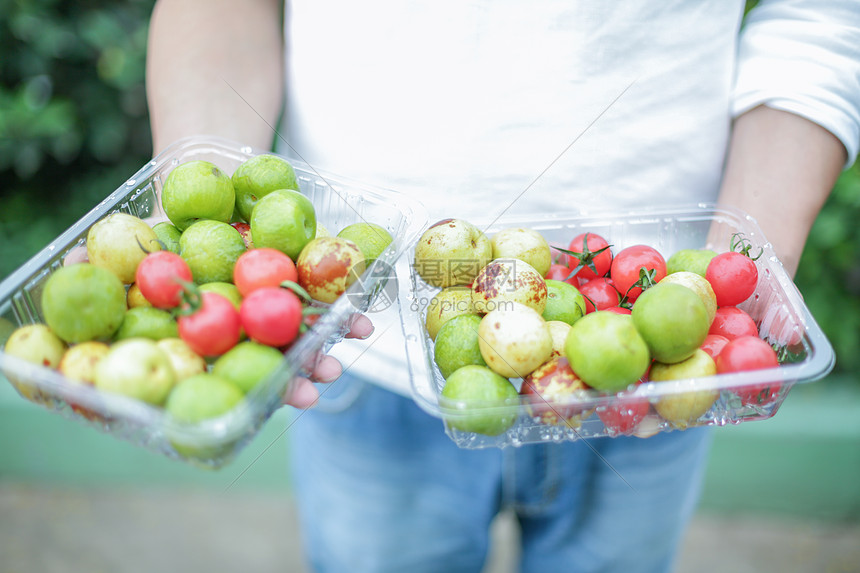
(210, 323)
(614, 280)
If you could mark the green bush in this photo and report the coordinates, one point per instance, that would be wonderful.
(829, 270)
(73, 114)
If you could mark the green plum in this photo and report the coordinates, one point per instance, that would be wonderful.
(197, 190)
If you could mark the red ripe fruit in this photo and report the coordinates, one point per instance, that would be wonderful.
(213, 328)
(714, 344)
(262, 267)
(732, 322)
(599, 294)
(619, 310)
(272, 316)
(733, 276)
(623, 414)
(622, 417)
(560, 272)
(160, 276)
(744, 354)
(592, 254)
(631, 263)
(554, 381)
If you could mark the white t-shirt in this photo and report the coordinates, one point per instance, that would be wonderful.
(488, 106)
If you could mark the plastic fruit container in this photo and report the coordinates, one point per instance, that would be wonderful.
(213, 443)
(776, 306)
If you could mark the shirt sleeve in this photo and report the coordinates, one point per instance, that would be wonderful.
(803, 57)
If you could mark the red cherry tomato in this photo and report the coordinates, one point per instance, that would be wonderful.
(599, 294)
(160, 275)
(747, 353)
(732, 322)
(733, 276)
(261, 268)
(628, 263)
(619, 310)
(212, 329)
(272, 316)
(560, 272)
(593, 255)
(621, 416)
(713, 344)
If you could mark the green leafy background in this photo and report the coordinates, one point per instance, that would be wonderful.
(73, 126)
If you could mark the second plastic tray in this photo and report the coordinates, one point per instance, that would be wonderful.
(776, 306)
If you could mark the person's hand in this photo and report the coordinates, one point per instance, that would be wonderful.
(327, 369)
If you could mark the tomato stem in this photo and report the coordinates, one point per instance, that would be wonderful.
(190, 298)
(786, 356)
(296, 288)
(589, 299)
(144, 249)
(585, 257)
(646, 281)
(742, 245)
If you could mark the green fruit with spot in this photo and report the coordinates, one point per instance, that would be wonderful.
(257, 177)
(564, 302)
(197, 190)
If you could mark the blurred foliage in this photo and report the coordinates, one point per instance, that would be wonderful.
(74, 126)
(73, 116)
(829, 270)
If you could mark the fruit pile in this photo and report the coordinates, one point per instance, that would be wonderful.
(191, 313)
(520, 321)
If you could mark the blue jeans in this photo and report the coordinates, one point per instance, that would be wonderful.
(380, 487)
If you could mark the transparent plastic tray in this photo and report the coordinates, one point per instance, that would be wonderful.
(776, 306)
(338, 202)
